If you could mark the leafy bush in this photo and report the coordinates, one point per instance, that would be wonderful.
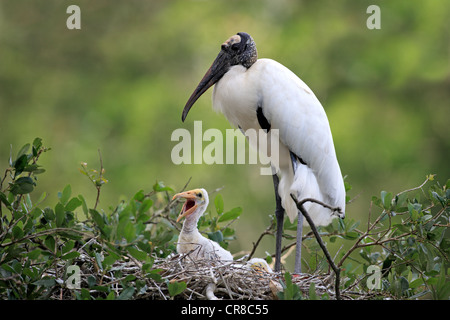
(406, 241)
(40, 249)
(39, 246)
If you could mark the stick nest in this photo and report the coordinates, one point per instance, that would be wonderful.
(204, 279)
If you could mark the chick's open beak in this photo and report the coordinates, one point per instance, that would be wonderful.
(189, 206)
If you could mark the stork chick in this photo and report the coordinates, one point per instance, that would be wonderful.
(190, 241)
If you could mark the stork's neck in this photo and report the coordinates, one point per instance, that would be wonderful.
(190, 225)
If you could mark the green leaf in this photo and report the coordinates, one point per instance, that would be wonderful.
(70, 255)
(49, 214)
(414, 209)
(402, 227)
(145, 206)
(85, 295)
(312, 292)
(438, 197)
(139, 196)
(22, 185)
(175, 288)
(136, 253)
(109, 260)
(129, 232)
(403, 284)
(230, 215)
(216, 236)
(290, 291)
(159, 187)
(386, 198)
(69, 245)
(111, 296)
(5, 201)
(376, 201)
(73, 204)
(416, 283)
(34, 254)
(34, 168)
(126, 293)
(218, 202)
(37, 144)
(60, 214)
(97, 217)
(17, 232)
(65, 194)
(50, 243)
(91, 281)
(48, 282)
(352, 235)
(23, 151)
(155, 275)
(83, 205)
(20, 164)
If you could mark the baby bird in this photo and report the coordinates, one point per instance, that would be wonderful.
(259, 265)
(190, 241)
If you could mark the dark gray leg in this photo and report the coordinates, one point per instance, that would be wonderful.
(279, 214)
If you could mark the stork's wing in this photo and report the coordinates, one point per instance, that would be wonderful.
(291, 107)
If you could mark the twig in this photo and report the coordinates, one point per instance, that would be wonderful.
(416, 188)
(255, 244)
(43, 233)
(98, 186)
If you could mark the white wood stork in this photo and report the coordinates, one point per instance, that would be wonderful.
(257, 94)
(190, 239)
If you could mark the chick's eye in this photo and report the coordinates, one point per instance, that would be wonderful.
(199, 195)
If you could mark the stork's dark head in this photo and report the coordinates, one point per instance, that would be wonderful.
(239, 49)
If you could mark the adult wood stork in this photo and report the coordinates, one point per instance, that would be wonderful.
(257, 94)
(190, 240)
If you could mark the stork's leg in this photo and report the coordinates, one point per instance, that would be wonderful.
(279, 214)
(298, 248)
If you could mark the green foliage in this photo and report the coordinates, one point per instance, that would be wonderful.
(38, 244)
(175, 288)
(407, 240)
(405, 236)
(385, 91)
(290, 290)
(216, 225)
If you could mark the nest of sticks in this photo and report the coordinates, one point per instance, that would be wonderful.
(204, 279)
(234, 280)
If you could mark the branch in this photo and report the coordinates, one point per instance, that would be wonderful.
(43, 233)
(98, 186)
(255, 245)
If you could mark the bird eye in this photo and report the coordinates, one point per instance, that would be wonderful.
(235, 46)
(199, 195)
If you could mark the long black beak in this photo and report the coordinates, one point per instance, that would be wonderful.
(219, 67)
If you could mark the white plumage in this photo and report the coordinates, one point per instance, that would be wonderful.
(190, 240)
(258, 94)
(290, 106)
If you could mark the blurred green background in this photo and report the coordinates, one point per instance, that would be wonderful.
(120, 83)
